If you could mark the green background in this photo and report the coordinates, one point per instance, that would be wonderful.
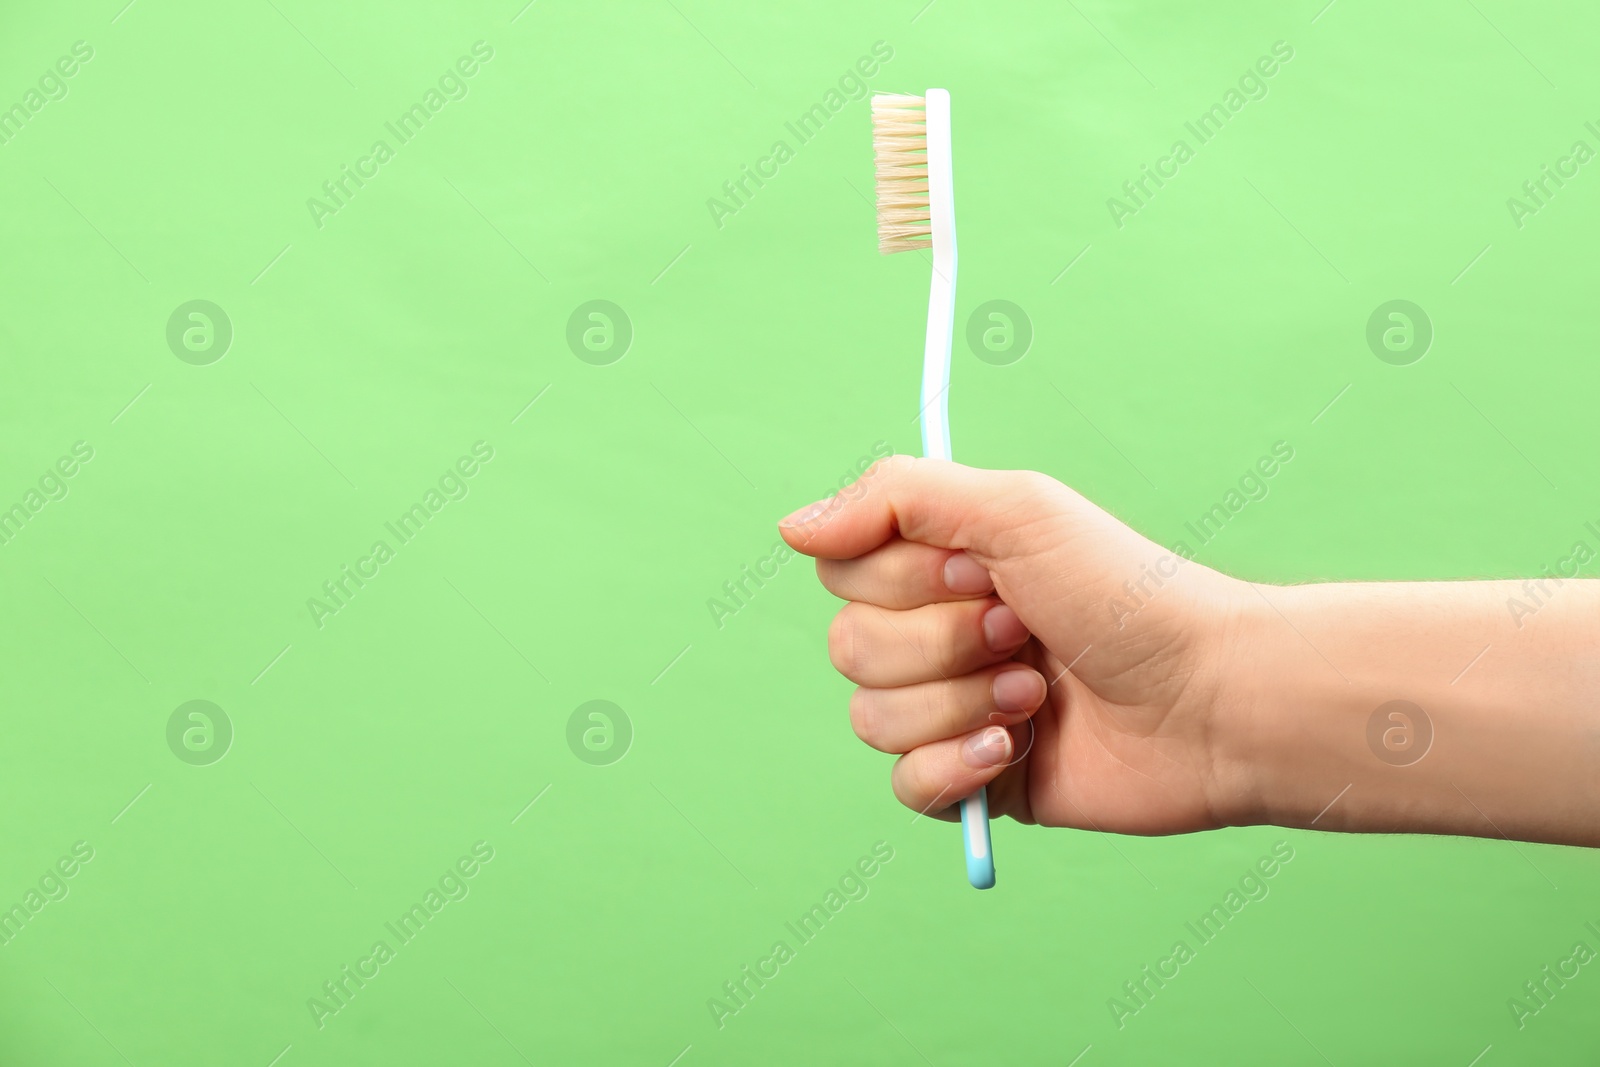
(769, 355)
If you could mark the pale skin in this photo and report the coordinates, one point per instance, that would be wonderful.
(995, 644)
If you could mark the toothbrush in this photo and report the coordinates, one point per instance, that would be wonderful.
(917, 209)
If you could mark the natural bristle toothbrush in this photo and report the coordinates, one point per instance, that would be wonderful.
(917, 209)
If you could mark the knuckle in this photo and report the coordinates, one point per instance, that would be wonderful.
(843, 641)
(896, 465)
(895, 577)
(828, 575)
(942, 703)
(889, 464)
(865, 719)
(915, 786)
(901, 781)
(1042, 497)
(1035, 482)
(1031, 493)
(946, 641)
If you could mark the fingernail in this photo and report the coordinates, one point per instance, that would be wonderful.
(1018, 690)
(990, 748)
(807, 514)
(1002, 630)
(963, 574)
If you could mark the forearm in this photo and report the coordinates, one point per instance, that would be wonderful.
(1507, 680)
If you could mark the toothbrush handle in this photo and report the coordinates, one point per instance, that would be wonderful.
(935, 412)
(975, 835)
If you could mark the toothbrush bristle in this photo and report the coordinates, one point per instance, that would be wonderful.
(900, 158)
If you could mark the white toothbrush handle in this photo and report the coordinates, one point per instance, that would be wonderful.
(935, 400)
(942, 291)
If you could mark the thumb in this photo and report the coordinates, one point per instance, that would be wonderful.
(930, 501)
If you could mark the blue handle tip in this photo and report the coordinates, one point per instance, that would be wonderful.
(975, 840)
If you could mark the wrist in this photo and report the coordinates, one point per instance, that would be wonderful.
(1274, 704)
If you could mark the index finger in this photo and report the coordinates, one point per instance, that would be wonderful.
(930, 501)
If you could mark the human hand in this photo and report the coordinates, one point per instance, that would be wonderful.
(1006, 632)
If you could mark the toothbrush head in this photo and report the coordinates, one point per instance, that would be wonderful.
(900, 159)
